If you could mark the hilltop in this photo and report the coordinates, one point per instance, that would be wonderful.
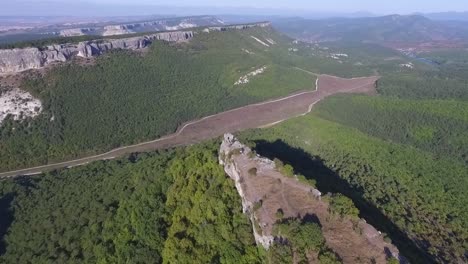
(276, 200)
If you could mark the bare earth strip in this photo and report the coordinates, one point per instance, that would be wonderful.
(251, 116)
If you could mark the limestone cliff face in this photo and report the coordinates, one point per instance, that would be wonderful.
(162, 25)
(76, 32)
(228, 145)
(264, 191)
(17, 60)
(233, 27)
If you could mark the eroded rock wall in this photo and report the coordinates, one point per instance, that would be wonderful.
(265, 191)
(17, 60)
(228, 145)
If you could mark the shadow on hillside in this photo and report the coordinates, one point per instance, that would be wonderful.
(6, 218)
(329, 181)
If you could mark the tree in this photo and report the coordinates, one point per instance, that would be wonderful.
(343, 206)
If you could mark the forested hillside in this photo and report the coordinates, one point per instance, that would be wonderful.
(437, 126)
(130, 97)
(169, 207)
(422, 194)
(425, 85)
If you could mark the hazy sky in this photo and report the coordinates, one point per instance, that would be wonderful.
(382, 6)
(92, 7)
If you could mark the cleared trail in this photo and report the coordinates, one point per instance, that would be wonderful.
(250, 116)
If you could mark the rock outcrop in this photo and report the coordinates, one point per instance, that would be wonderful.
(265, 191)
(162, 25)
(72, 32)
(234, 27)
(228, 145)
(117, 30)
(18, 104)
(17, 60)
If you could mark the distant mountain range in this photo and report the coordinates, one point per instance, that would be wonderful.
(392, 28)
(460, 16)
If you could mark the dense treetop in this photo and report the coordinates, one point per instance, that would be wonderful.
(161, 207)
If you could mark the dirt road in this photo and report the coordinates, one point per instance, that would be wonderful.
(250, 116)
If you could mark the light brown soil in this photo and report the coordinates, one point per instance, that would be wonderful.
(251, 116)
(353, 240)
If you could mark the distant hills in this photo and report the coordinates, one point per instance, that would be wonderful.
(392, 28)
(11, 33)
(165, 24)
(460, 16)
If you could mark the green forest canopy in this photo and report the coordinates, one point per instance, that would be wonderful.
(169, 207)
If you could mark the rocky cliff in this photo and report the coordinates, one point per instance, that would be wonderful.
(167, 24)
(17, 60)
(265, 191)
(77, 32)
(162, 25)
(234, 27)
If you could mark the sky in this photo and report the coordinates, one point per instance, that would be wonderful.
(144, 7)
(382, 6)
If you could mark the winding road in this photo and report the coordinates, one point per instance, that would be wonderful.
(250, 116)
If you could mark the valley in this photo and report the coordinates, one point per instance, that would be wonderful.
(112, 146)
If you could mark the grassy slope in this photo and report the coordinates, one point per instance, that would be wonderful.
(437, 126)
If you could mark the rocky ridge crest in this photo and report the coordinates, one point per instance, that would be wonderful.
(265, 191)
(17, 60)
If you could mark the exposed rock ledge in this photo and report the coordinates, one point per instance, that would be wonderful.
(18, 104)
(264, 191)
(17, 60)
(234, 27)
(227, 146)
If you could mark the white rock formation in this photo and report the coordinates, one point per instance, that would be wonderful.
(248, 51)
(17, 60)
(72, 32)
(272, 42)
(18, 104)
(246, 78)
(409, 65)
(229, 144)
(117, 30)
(259, 41)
